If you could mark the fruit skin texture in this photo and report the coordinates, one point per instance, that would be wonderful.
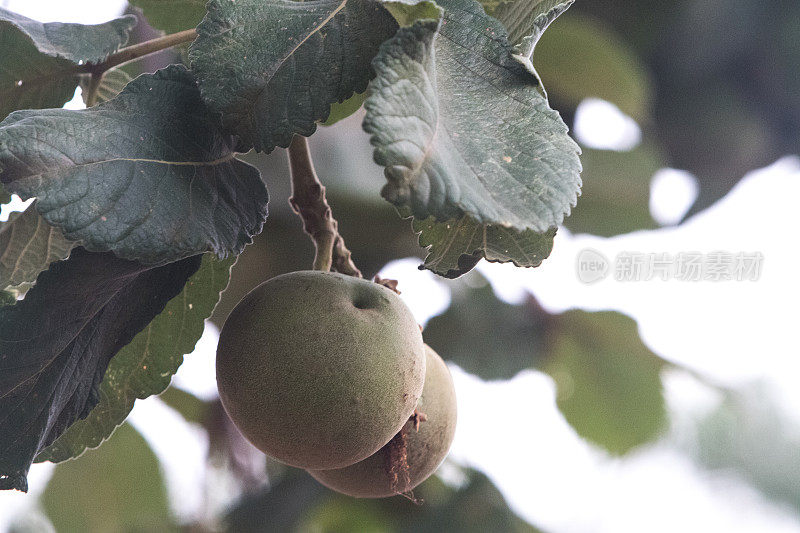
(320, 370)
(425, 449)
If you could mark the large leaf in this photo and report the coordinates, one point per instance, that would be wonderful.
(41, 63)
(274, 67)
(55, 345)
(456, 246)
(463, 129)
(172, 15)
(146, 365)
(150, 177)
(28, 245)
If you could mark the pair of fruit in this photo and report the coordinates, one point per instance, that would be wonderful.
(329, 373)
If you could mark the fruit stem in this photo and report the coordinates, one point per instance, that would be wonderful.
(308, 200)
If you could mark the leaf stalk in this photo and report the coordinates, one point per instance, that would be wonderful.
(308, 200)
(128, 54)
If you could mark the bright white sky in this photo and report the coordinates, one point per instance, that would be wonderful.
(730, 332)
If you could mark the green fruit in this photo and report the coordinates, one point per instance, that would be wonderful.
(319, 370)
(378, 476)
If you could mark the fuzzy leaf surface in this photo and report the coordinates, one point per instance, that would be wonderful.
(273, 68)
(55, 345)
(462, 128)
(456, 246)
(45, 58)
(147, 175)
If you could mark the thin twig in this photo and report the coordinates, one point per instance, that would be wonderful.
(308, 200)
(128, 54)
(138, 51)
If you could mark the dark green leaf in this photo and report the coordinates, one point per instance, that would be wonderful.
(609, 383)
(146, 175)
(55, 345)
(462, 128)
(146, 365)
(272, 68)
(476, 507)
(113, 82)
(118, 488)
(456, 246)
(40, 62)
(172, 15)
(28, 245)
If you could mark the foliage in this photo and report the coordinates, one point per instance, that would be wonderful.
(135, 196)
(272, 68)
(609, 385)
(29, 245)
(42, 62)
(117, 488)
(147, 180)
(79, 314)
(145, 366)
(168, 187)
(298, 503)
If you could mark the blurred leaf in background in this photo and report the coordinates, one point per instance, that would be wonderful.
(116, 488)
(172, 15)
(580, 57)
(723, 75)
(616, 191)
(488, 337)
(609, 383)
(298, 503)
(749, 434)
